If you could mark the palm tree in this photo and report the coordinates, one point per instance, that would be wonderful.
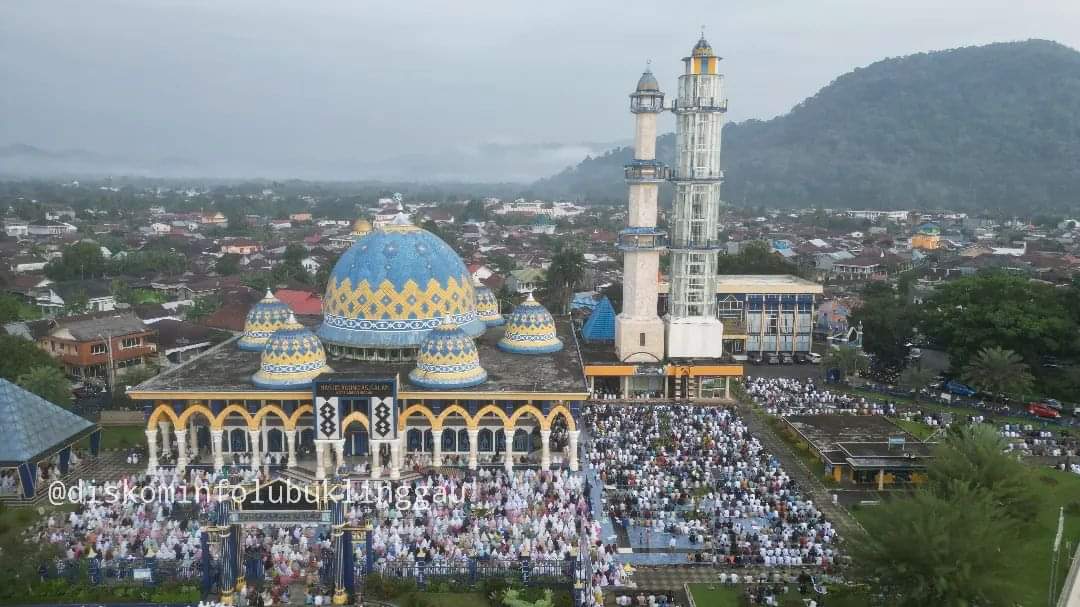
(48, 383)
(915, 379)
(847, 359)
(567, 271)
(999, 372)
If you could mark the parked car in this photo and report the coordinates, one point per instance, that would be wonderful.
(787, 358)
(954, 387)
(802, 358)
(1041, 410)
(772, 358)
(814, 358)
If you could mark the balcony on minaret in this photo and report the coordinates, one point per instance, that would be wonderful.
(646, 103)
(700, 104)
(646, 171)
(642, 239)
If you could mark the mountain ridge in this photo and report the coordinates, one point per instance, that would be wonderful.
(993, 126)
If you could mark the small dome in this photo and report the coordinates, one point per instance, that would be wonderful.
(487, 306)
(447, 358)
(647, 83)
(361, 227)
(292, 357)
(530, 330)
(702, 48)
(267, 315)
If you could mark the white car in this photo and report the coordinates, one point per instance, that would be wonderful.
(814, 358)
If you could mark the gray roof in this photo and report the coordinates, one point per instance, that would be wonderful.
(33, 426)
(94, 326)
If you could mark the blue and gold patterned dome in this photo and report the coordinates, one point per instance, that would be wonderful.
(447, 358)
(393, 286)
(487, 306)
(292, 357)
(267, 315)
(530, 330)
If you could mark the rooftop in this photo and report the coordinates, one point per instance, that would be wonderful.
(825, 432)
(225, 369)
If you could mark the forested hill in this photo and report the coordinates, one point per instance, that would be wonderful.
(989, 127)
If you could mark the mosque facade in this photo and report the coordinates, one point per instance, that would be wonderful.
(410, 364)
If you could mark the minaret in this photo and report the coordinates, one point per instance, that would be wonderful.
(693, 330)
(639, 332)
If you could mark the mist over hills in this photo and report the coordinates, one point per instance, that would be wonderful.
(987, 127)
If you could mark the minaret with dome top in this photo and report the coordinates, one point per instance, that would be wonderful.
(639, 332)
(693, 329)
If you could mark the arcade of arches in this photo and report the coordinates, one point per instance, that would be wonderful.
(268, 433)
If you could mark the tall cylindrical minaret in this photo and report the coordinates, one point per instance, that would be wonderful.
(693, 330)
(639, 332)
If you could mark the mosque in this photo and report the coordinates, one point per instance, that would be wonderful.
(411, 363)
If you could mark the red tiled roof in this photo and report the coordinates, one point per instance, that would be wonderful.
(301, 302)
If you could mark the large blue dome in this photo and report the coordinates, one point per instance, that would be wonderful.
(393, 286)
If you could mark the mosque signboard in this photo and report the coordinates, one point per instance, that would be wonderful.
(380, 392)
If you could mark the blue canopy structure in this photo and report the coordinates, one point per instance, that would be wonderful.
(35, 429)
(600, 326)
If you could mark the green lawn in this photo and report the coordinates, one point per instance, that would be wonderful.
(919, 430)
(447, 599)
(716, 595)
(122, 437)
(1031, 557)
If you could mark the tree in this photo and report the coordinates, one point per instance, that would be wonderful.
(943, 550)
(13, 309)
(21, 355)
(888, 323)
(79, 261)
(974, 456)
(565, 273)
(915, 378)
(999, 309)
(998, 372)
(201, 308)
(49, 383)
(847, 359)
(227, 265)
(77, 303)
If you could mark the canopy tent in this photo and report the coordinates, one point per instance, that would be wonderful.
(35, 429)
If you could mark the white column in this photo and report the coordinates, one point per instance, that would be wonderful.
(339, 455)
(290, 438)
(395, 459)
(181, 449)
(164, 427)
(215, 444)
(193, 441)
(727, 387)
(151, 448)
(436, 448)
(320, 460)
(474, 454)
(574, 434)
(374, 447)
(545, 449)
(253, 438)
(508, 457)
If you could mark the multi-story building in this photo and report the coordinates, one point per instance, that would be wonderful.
(102, 345)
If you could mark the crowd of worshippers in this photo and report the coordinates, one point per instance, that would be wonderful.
(698, 473)
(45, 471)
(787, 396)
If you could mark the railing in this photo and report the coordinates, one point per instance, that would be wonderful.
(708, 104)
(149, 572)
(524, 570)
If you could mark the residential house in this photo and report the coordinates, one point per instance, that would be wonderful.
(53, 298)
(526, 280)
(302, 303)
(16, 228)
(300, 217)
(239, 246)
(100, 345)
(22, 264)
(50, 228)
(179, 341)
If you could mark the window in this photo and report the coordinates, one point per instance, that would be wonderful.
(641, 339)
(129, 342)
(98, 348)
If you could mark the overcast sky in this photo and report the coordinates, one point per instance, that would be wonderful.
(346, 88)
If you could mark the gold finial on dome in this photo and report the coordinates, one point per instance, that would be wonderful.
(361, 226)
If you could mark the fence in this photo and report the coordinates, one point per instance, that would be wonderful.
(149, 572)
(526, 571)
